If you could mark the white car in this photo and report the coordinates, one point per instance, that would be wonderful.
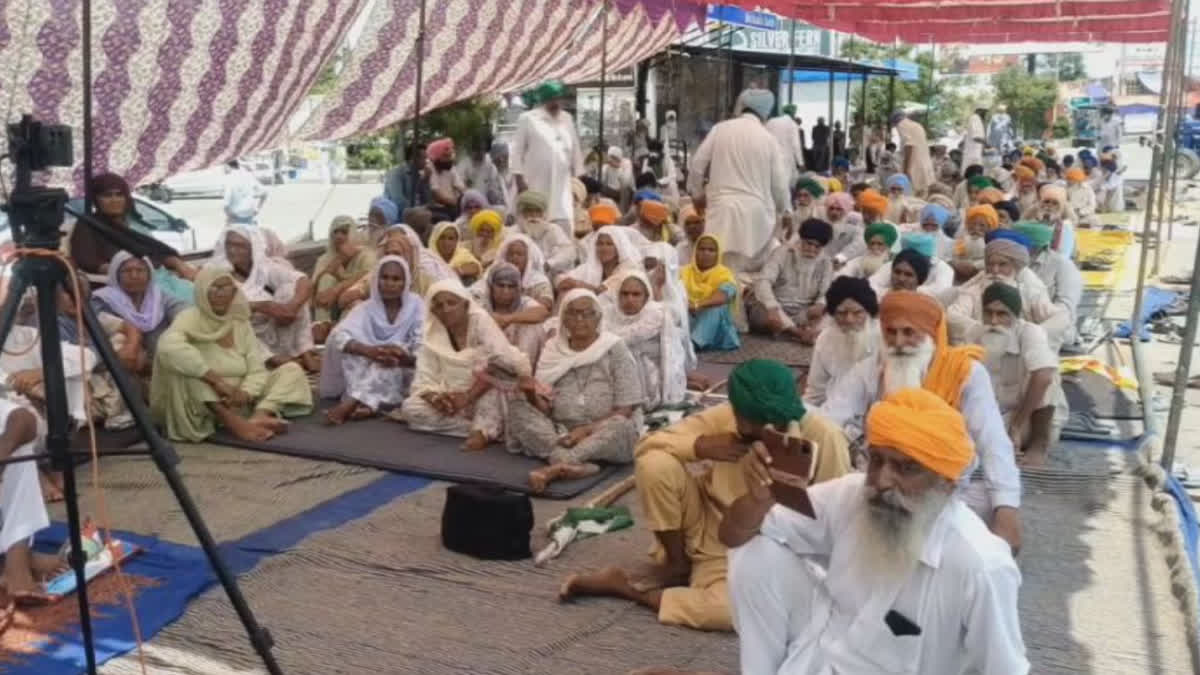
(206, 183)
(154, 219)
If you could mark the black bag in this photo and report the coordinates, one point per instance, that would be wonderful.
(487, 522)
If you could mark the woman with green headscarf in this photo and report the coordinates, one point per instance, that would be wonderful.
(345, 262)
(210, 370)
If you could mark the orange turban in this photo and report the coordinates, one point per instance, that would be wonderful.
(1076, 175)
(921, 425)
(1035, 165)
(871, 200)
(1023, 172)
(985, 212)
(655, 213)
(951, 365)
(604, 214)
(989, 196)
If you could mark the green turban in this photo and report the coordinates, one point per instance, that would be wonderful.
(550, 89)
(810, 186)
(531, 199)
(1040, 234)
(886, 230)
(789, 110)
(980, 182)
(1005, 293)
(764, 392)
(529, 98)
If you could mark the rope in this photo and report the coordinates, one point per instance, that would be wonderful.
(100, 505)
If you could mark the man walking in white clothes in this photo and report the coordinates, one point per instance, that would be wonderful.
(747, 182)
(787, 134)
(546, 154)
(915, 159)
(244, 195)
(975, 138)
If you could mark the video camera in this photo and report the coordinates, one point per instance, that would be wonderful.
(36, 213)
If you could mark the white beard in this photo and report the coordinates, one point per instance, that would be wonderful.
(891, 539)
(853, 346)
(995, 341)
(871, 263)
(906, 368)
(975, 247)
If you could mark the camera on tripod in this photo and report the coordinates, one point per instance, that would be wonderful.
(36, 213)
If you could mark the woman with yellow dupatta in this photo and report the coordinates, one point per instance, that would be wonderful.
(487, 231)
(712, 291)
(446, 245)
(210, 370)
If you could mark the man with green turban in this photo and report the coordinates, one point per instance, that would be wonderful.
(686, 584)
(804, 202)
(1023, 368)
(880, 238)
(1061, 277)
(545, 154)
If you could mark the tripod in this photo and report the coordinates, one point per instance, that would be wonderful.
(36, 215)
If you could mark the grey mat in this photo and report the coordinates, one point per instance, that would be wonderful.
(1096, 395)
(1083, 427)
(384, 444)
(759, 347)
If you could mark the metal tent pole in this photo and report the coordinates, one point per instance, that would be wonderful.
(1180, 98)
(792, 60)
(415, 160)
(891, 98)
(603, 74)
(829, 140)
(862, 111)
(88, 145)
(1171, 77)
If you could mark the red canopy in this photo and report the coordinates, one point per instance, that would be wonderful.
(985, 21)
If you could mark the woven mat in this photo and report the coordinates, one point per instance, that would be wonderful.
(1096, 599)
(759, 347)
(380, 595)
(238, 492)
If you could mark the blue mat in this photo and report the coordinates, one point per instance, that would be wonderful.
(183, 573)
(1154, 300)
(186, 573)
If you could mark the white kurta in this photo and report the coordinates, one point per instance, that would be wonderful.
(22, 506)
(801, 608)
(920, 168)
(546, 151)
(787, 135)
(1036, 306)
(972, 148)
(831, 359)
(747, 184)
(939, 281)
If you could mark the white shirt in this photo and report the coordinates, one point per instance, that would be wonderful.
(243, 195)
(972, 148)
(1110, 133)
(787, 135)
(1036, 306)
(1026, 351)
(747, 183)
(850, 398)
(962, 595)
(830, 361)
(617, 177)
(545, 151)
(940, 279)
(920, 169)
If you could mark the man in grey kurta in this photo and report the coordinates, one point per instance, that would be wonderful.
(789, 293)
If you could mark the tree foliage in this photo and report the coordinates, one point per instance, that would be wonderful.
(1029, 98)
(947, 105)
(1071, 67)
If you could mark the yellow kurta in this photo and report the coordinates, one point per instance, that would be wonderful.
(675, 498)
(179, 398)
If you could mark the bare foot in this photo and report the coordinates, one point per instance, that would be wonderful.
(275, 425)
(245, 430)
(540, 478)
(608, 582)
(1032, 458)
(21, 579)
(651, 577)
(46, 566)
(361, 412)
(339, 413)
(52, 490)
(476, 442)
(698, 382)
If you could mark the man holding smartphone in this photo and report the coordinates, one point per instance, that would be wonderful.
(684, 508)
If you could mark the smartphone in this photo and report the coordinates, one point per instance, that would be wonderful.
(795, 457)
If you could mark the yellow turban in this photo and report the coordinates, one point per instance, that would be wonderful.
(951, 365)
(486, 218)
(604, 214)
(986, 213)
(835, 185)
(1076, 175)
(921, 425)
(655, 213)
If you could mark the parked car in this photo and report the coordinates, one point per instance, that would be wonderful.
(206, 183)
(154, 219)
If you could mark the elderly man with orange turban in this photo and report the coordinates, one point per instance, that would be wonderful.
(890, 570)
(967, 259)
(872, 205)
(916, 353)
(1081, 197)
(1027, 190)
(652, 222)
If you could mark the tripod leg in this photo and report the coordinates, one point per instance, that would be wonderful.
(58, 439)
(165, 457)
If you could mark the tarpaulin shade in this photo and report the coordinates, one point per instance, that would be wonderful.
(985, 21)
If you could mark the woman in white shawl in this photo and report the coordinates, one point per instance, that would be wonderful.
(463, 357)
(132, 296)
(649, 330)
(611, 251)
(521, 317)
(370, 355)
(529, 259)
(584, 405)
(278, 295)
(668, 289)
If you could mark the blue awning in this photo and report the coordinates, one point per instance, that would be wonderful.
(907, 71)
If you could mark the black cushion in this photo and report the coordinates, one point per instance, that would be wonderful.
(487, 522)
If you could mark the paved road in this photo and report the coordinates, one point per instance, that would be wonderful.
(290, 209)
